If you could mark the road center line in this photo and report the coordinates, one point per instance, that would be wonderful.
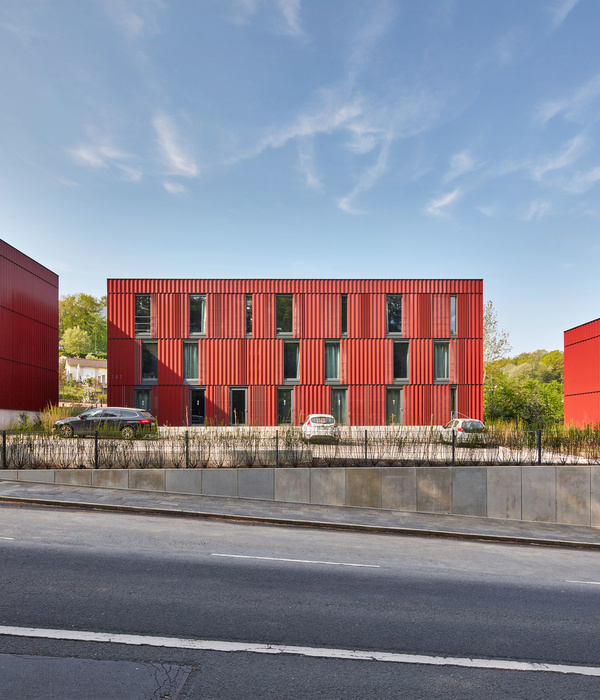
(298, 561)
(588, 583)
(7, 538)
(314, 652)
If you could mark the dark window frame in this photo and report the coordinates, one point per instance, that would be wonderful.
(143, 322)
(145, 346)
(202, 332)
(453, 316)
(438, 379)
(284, 333)
(287, 345)
(388, 320)
(344, 315)
(191, 380)
(401, 379)
(249, 317)
(333, 380)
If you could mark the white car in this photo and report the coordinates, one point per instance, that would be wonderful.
(320, 426)
(465, 430)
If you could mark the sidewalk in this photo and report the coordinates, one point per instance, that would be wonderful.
(298, 514)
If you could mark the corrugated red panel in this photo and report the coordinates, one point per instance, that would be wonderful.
(332, 316)
(225, 361)
(582, 375)
(582, 410)
(440, 403)
(367, 361)
(263, 316)
(265, 361)
(121, 363)
(261, 405)
(122, 395)
(26, 341)
(227, 316)
(584, 332)
(424, 325)
(120, 316)
(312, 361)
(421, 361)
(441, 316)
(170, 361)
(311, 399)
(217, 405)
(170, 404)
(169, 316)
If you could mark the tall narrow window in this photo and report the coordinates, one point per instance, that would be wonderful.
(284, 406)
(190, 361)
(197, 314)
(344, 318)
(142, 314)
(394, 408)
(291, 352)
(453, 315)
(394, 314)
(142, 399)
(332, 362)
(149, 361)
(238, 406)
(400, 362)
(248, 314)
(339, 405)
(285, 314)
(453, 404)
(441, 360)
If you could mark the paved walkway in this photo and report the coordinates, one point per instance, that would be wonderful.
(298, 514)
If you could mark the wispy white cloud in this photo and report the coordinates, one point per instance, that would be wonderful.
(582, 182)
(380, 20)
(510, 45)
(306, 164)
(178, 161)
(368, 178)
(437, 207)
(487, 210)
(559, 10)
(460, 163)
(290, 16)
(573, 150)
(174, 187)
(100, 153)
(287, 17)
(538, 209)
(573, 106)
(135, 18)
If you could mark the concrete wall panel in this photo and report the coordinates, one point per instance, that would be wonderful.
(292, 485)
(9, 474)
(43, 475)
(183, 480)
(256, 483)
(147, 479)
(399, 488)
(504, 492)
(78, 477)
(363, 488)
(539, 494)
(327, 486)
(219, 482)
(469, 491)
(434, 489)
(573, 490)
(595, 497)
(110, 478)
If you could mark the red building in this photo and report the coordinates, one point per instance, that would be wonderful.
(263, 352)
(28, 335)
(582, 375)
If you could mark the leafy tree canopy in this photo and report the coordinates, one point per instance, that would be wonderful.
(76, 341)
(88, 313)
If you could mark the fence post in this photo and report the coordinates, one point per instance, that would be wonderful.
(277, 448)
(4, 449)
(95, 449)
(453, 445)
(366, 449)
(539, 441)
(187, 450)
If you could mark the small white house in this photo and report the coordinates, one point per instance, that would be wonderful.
(78, 369)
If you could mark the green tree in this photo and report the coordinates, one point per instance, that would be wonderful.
(496, 341)
(76, 341)
(87, 312)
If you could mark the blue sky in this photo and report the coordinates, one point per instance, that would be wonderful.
(309, 138)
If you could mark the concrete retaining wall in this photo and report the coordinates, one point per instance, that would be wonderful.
(561, 494)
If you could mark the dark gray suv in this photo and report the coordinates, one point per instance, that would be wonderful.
(128, 422)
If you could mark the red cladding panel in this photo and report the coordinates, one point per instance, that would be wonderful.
(170, 361)
(171, 404)
(171, 315)
(312, 362)
(311, 399)
(582, 375)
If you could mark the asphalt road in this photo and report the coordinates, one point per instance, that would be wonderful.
(213, 582)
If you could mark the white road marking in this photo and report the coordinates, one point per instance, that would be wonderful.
(7, 538)
(589, 583)
(314, 652)
(298, 561)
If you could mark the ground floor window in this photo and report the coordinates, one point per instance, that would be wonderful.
(238, 406)
(339, 405)
(197, 407)
(394, 407)
(142, 399)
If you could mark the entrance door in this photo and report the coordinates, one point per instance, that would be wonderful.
(238, 412)
(197, 407)
(339, 405)
(284, 406)
(394, 408)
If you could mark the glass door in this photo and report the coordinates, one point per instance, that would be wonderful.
(284, 406)
(339, 405)
(197, 407)
(238, 411)
(394, 408)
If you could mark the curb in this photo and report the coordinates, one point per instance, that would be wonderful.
(317, 524)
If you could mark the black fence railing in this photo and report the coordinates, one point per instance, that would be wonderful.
(256, 447)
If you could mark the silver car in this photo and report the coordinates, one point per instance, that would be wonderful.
(466, 430)
(320, 426)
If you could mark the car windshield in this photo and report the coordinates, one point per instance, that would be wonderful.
(473, 425)
(323, 420)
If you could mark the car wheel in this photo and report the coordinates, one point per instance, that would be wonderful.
(127, 432)
(66, 431)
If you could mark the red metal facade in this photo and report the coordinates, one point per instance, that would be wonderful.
(582, 375)
(28, 332)
(228, 358)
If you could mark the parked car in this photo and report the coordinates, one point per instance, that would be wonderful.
(128, 422)
(320, 426)
(466, 430)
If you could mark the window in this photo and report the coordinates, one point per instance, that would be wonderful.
(453, 315)
(332, 362)
(291, 352)
(453, 408)
(339, 405)
(190, 361)
(249, 314)
(142, 314)
(197, 407)
(394, 407)
(285, 314)
(440, 360)
(238, 406)
(284, 406)
(197, 314)
(394, 314)
(149, 361)
(142, 399)
(344, 319)
(400, 362)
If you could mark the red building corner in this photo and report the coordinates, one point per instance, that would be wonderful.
(582, 375)
(265, 352)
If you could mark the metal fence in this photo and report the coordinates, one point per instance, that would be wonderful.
(284, 447)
